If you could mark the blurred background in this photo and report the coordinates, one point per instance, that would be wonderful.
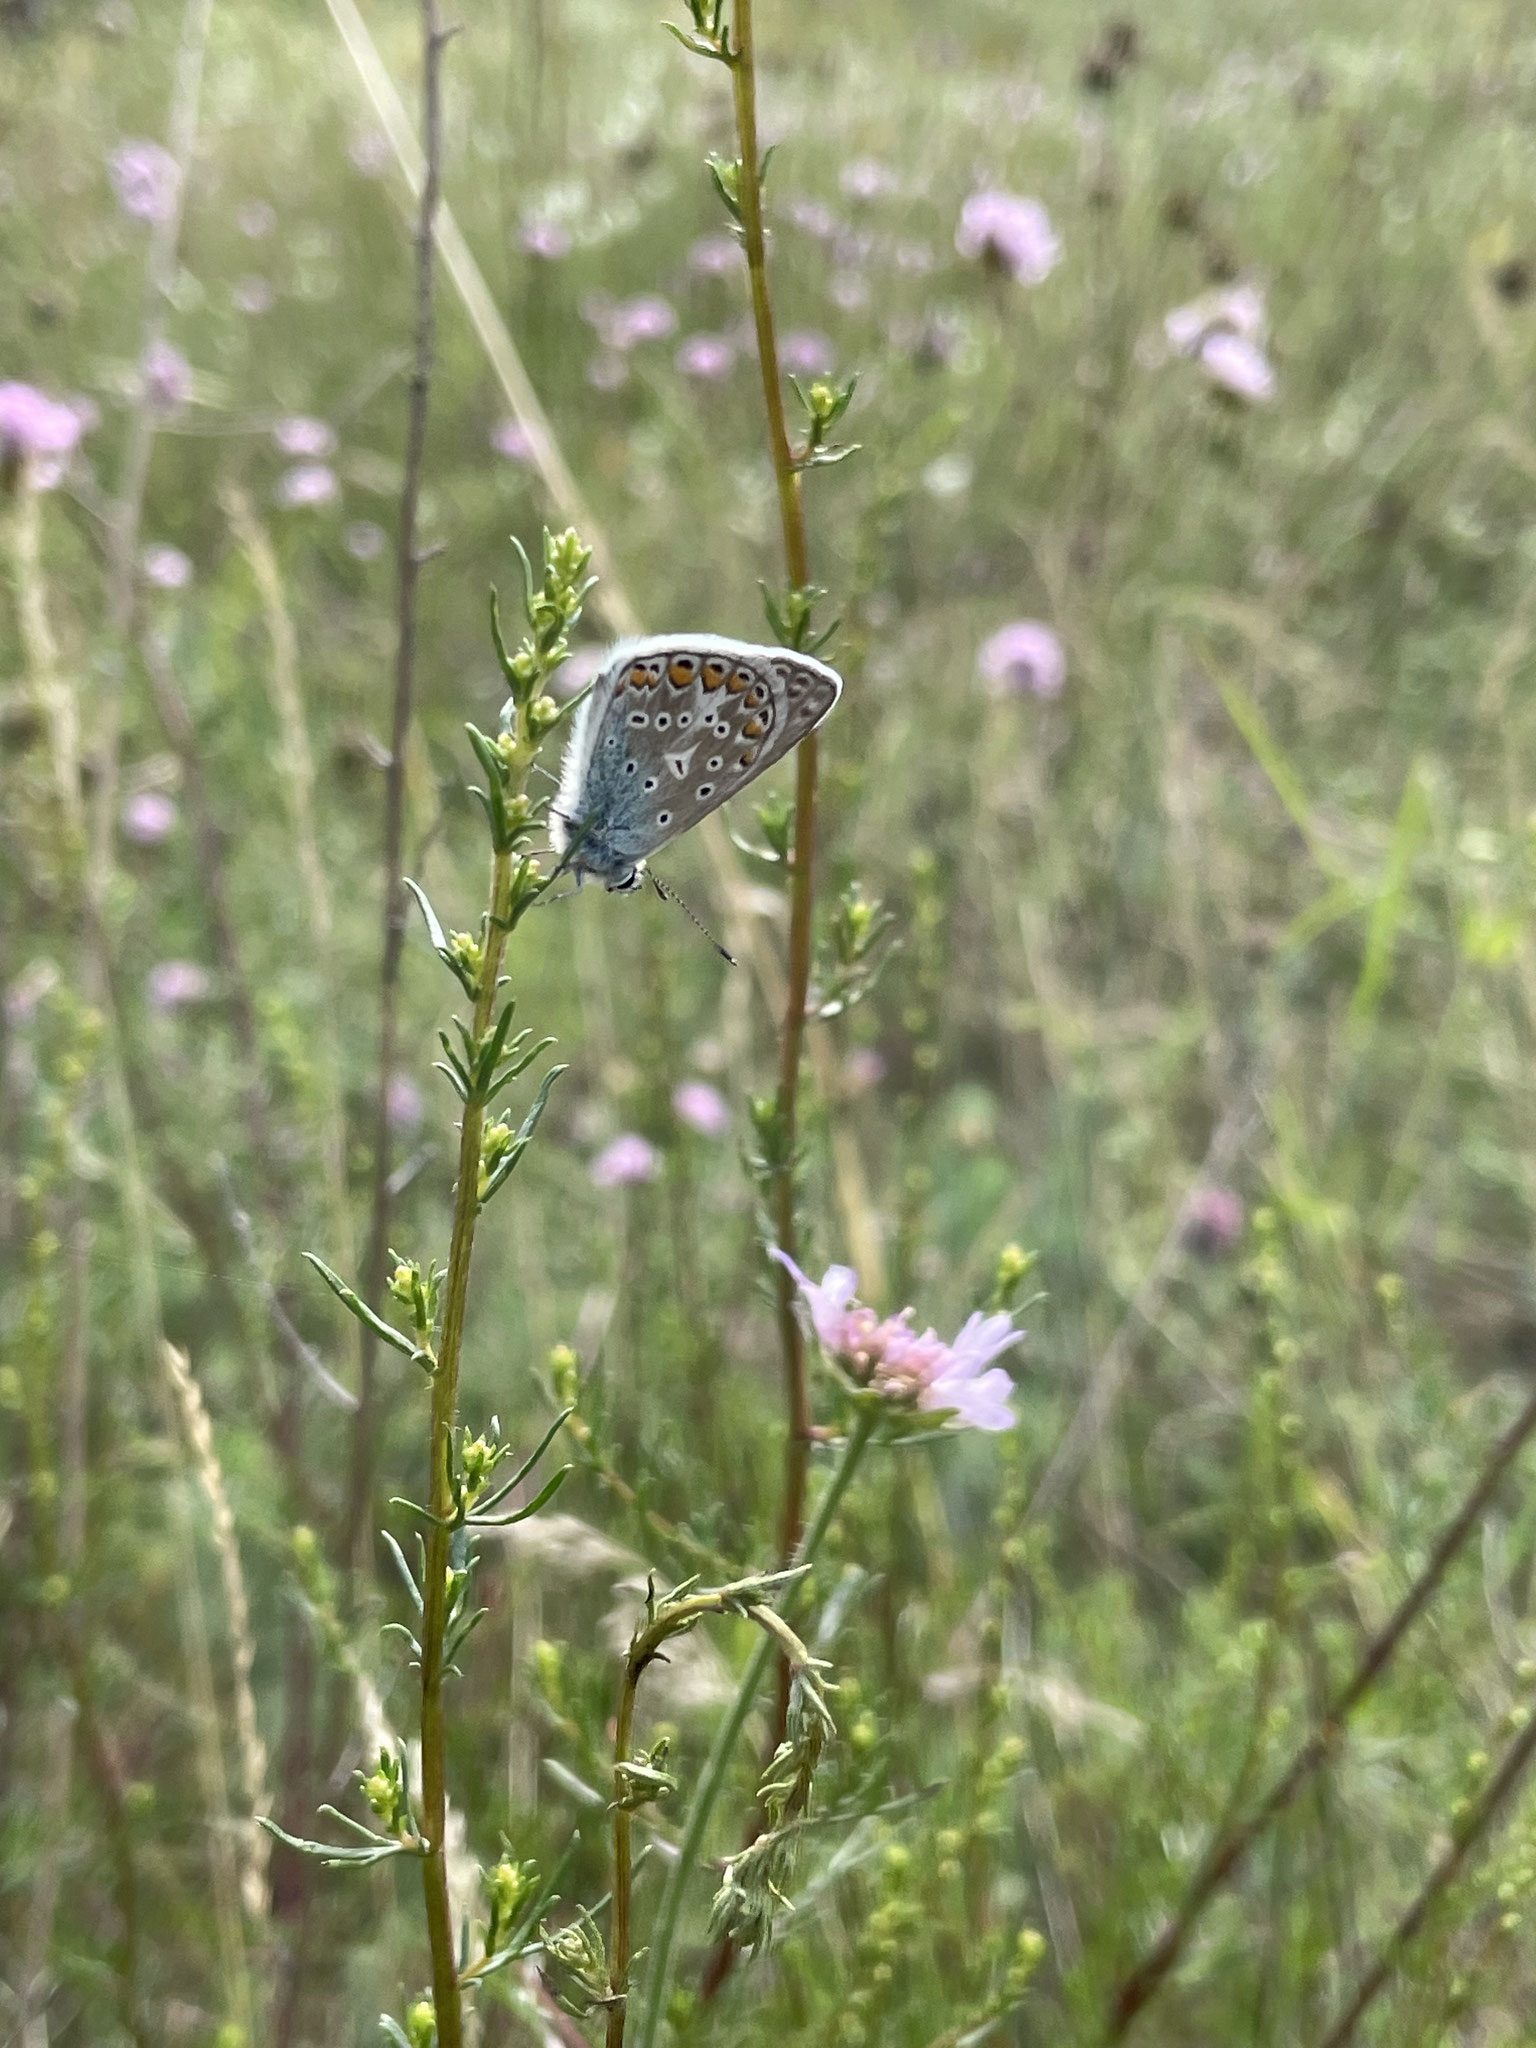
(1188, 618)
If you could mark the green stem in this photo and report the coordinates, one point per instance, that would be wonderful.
(797, 1449)
(446, 1996)
(717, 1763)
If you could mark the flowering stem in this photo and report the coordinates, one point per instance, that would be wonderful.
(408, 570)
(717, 1763)
(792, 521)
(445, 1400)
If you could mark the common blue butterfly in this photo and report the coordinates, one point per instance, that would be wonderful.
(673, 727)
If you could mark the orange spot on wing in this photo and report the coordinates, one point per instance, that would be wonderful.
(715, 672)
(753, 729)
(741, 680)
(747, 757)
(683, 669)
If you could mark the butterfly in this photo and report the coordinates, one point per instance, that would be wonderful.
(673, 727)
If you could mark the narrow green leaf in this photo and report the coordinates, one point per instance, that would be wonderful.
(365, 1315)
(404, 1569)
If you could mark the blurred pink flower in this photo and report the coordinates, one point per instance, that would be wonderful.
(1238, 309)
(149, 818)
(1024, 657)
(403, 1106)
(813, 218)
(167, 568)
(40, 430)
(701, 1108)
(1011, 234)
(546, 238)
(364, 540)
(302, 436)
(510, 438)
(626, 1161)
(715, 256)
(862, 1070)
(146, 179)
(307, 483)
(646, 318)
(1238, 366)
(806, 352)
(371, 154)
(867, 178)
(706, 356)
(253, 295)
(892, 1359)
(1213, 1221)
(167, 377)
(174, 983)
(256, 219)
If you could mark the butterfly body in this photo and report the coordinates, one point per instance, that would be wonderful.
(675, 725)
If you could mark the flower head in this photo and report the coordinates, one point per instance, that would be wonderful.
(1213, 1221)
(701, 1108)
(511, 438)
(307, 483)
(1008, 234)
(167, 568)
(715, 256)
(647, 317)
(146, 179)
(1238, 366)
(253, 295)
(39, 429)
(149, 817)
(1025, 657)
(706, 356)
(403, 1106)
(546, 238)
(1237, 309)
(867, 178)
(627, 1160)
(174, 983)
(806, 352)
(302, 436)
(890, 1358)
(167, 376)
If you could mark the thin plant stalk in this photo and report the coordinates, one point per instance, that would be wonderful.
(797, 1448)
(717, 1764)
(1226, 1854)
(408, 564)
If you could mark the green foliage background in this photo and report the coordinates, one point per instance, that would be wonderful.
(1264, 873)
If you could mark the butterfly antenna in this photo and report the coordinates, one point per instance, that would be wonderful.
(671, 896)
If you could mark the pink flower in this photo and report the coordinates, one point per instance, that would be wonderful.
(167, 377)
(174, 983)
(701, 1108)
(706, 356)
(862, 1070)
(1010, 234)
(1238, 366)
(256, 219)
(510, 438)
(812, 218)
(403, 1106)
(146, 179)
(307, 483)
(253, 295)
(364, 541)
(302, 436)
(890, 1358)
(628, 1160)
(1213, 1222)
(546, 238)
(149, 818)
(1239, 309)
(38, 429)
(167, 568)
(1025, 657)
(715, 256)
(806, 352)
(632, 321)
(865, 178)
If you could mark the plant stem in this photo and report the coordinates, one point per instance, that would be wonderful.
(797, 1447)
(1224, 1856)
(717, 1763)
(623, 1860)
(445, 1401)
(356, 1534)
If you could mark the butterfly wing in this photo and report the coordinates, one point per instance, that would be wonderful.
(675, 727)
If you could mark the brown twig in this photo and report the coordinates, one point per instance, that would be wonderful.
(1474, 1824)
(1223, 1858)
(408, 562)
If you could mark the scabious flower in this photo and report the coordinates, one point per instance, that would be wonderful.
(1213, 1221)
(1238, 366)
(146, 179)
(149, 818)
(174, 983)
(546, 238)
(167, 377)
(1026, 658)
(806, 352)
(403, 1106)
(1237, 309)
(708, 357)
(891, 1359)
(647, 317)
(715, 256)
(307, 483)
(701, 1108)
(626, 1161)
(510, 438)
(1008, 234)
(302, 436)
(37, 429)
(167, 568)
